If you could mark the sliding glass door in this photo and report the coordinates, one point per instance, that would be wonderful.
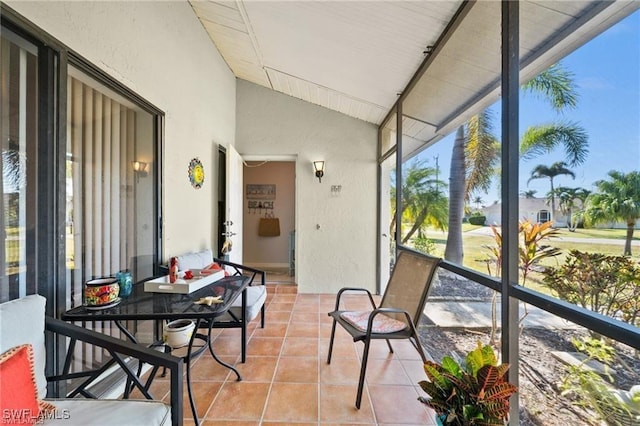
(110, 200)
(80, 178)
(18, 124)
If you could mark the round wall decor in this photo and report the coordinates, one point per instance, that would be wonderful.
(196, 173)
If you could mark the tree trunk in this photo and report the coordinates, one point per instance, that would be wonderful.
(453, 251)
(553, 203)
(627, 244)
(392, 227)
(571, 224)
(416, 226)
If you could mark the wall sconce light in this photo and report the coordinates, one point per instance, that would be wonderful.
(319, 168)
(139, 168)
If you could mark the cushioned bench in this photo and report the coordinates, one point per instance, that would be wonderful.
(256, 292)
(23, 322)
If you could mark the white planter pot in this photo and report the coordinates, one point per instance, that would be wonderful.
(176, 334)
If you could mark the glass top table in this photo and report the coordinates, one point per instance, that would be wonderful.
(143, 305)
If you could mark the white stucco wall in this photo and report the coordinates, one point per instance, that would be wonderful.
(343, 250)
(160, 51)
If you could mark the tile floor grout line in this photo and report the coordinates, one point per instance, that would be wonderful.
(275, 371)
(302, 305)
(226, 379)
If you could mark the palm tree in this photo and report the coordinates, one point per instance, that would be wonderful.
(617, 199)
(457, 195)
(476, 150)
(422, 201)
(550, 172)
(567, 198)
(530, 193)
(478, 201)
(431, 210)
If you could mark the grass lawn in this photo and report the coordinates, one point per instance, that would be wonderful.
(476, 252)
(612, 234)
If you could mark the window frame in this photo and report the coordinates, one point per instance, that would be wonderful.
(509, 285)
(54, 59)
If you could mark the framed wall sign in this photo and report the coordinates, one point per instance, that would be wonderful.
(260, 192)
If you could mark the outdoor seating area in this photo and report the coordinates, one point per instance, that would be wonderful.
(286, 378)
(24, 385)
(209, 205)
(256, 292)
(398, 314)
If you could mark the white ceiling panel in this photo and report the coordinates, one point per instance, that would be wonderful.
(353, 57)
(224, 14)
(357, 57)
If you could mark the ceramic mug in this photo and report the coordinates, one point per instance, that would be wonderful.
(126, 283)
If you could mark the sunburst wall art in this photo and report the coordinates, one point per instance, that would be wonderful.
(196, 173)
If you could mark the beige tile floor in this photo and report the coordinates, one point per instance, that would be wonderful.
(286, 378)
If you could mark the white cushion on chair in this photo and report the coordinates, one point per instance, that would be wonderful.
(197, 260)
(256, 296)
(22, 321)
(99, 412)
(381, 322)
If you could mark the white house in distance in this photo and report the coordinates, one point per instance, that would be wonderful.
(533, 209)
(538, 210)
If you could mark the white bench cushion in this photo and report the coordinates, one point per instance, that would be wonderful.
(197, 260)
(100, 412)
(256, 296)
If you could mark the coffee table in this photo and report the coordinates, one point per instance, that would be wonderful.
(142, 305)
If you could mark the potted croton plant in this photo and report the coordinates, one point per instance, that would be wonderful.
(473, 392)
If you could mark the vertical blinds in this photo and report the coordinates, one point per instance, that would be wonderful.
(100, 187)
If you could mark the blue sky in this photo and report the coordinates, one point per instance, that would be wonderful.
(607, 73)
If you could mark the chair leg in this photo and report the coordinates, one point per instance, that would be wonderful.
(333, 332)
(363, 371)
(389, 344)
(243, 338)
(262, 316)
(417, 345)
(167, 350)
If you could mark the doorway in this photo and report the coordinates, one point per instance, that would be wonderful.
(269, 218)
(222, 196)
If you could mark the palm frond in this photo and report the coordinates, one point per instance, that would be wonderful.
(542, 139)
(482, 152)
(557, 85)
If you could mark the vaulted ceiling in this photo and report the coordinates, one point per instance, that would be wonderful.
(357, 57)
(353, 57)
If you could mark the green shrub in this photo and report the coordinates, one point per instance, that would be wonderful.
(424, 245)
(609, 285)
(477, 220)
(614, 406)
